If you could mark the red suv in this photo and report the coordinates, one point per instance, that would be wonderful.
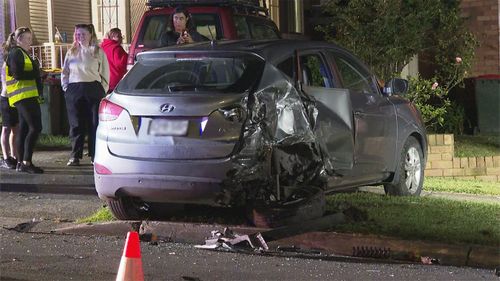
(226, 19)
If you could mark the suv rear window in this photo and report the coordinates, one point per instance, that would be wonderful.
(167, 72)
(206, 24)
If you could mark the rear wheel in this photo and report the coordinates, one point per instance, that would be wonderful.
(410, 170)
(124, 208)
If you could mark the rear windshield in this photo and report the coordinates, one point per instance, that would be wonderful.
(206, 24)
(209, 25)
(169, 72)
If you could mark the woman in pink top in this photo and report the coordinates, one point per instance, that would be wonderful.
(117, 57)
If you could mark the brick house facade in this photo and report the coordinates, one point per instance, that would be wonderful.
(483, 19)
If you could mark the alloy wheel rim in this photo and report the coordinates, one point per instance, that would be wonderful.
(413, 170)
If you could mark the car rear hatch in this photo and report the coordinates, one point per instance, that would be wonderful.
(180, 105)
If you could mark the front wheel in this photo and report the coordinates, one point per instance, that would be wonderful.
(410, 171)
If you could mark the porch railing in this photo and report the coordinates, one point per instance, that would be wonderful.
(51, 55)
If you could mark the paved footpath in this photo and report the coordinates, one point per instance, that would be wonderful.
(57, 177)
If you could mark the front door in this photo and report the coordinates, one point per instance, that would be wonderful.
(334, 123)
(374, 120)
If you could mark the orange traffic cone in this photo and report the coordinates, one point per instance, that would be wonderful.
(131, 263)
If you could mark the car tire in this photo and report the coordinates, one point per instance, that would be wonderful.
(123, 208)
(410, 171)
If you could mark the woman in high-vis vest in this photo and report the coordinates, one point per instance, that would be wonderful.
(24, 91)
(85, 80)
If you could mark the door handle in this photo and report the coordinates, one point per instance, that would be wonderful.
(359, 113)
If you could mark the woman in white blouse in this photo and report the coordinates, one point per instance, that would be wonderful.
(85, 80)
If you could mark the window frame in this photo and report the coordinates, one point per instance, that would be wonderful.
(325, 61)
(357, 64)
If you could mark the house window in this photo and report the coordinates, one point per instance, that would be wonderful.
(107, 15)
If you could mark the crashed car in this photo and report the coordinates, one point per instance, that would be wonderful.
(231, 123)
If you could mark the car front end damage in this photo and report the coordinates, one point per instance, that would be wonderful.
(279, 157)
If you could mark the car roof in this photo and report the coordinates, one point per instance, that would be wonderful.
(272, 51)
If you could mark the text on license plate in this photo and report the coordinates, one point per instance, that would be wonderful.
(166, 127)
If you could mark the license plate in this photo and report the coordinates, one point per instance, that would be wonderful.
(166, 127)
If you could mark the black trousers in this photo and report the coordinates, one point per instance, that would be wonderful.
(30, 126)
(82, 104)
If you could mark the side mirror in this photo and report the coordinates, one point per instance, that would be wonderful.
(396, 86)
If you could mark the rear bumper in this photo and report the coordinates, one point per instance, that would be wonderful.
(179, 181)
(158, 188)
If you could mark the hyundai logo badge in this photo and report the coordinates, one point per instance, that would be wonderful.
(166, 107)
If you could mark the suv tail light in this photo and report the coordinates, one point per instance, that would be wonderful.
(109, 111)
(101, 169)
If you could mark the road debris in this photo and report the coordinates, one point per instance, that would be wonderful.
(429, 260)
(230, 241)
(23, 227)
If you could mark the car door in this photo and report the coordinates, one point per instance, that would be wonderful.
(333, 128)
(374, 119)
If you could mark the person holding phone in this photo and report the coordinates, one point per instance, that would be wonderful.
(181, 29)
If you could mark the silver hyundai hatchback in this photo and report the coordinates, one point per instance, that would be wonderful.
(236, 122)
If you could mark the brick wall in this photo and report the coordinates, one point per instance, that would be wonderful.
(483, 19)
(442, 163)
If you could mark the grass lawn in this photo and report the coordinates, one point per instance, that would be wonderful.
(414, 218)
(51, 142)
(102, 215)
(461, 186)
(420, 218)
(478, 145)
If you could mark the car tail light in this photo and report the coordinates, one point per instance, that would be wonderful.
(109, 111)
(130, 60)
(100, 169)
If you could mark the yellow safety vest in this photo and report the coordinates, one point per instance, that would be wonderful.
(20, 89)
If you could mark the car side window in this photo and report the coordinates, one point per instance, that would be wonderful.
(353, 76)
(242, 30)
(208, 25)
(154, 28)
(261, 28)
(315, 71)
(263, 31)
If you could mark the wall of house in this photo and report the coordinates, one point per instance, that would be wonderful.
(39, 20)
(483, 19)
(65, 16)
(441, 161)
(42, 15)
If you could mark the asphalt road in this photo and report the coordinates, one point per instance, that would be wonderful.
(44, 256)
